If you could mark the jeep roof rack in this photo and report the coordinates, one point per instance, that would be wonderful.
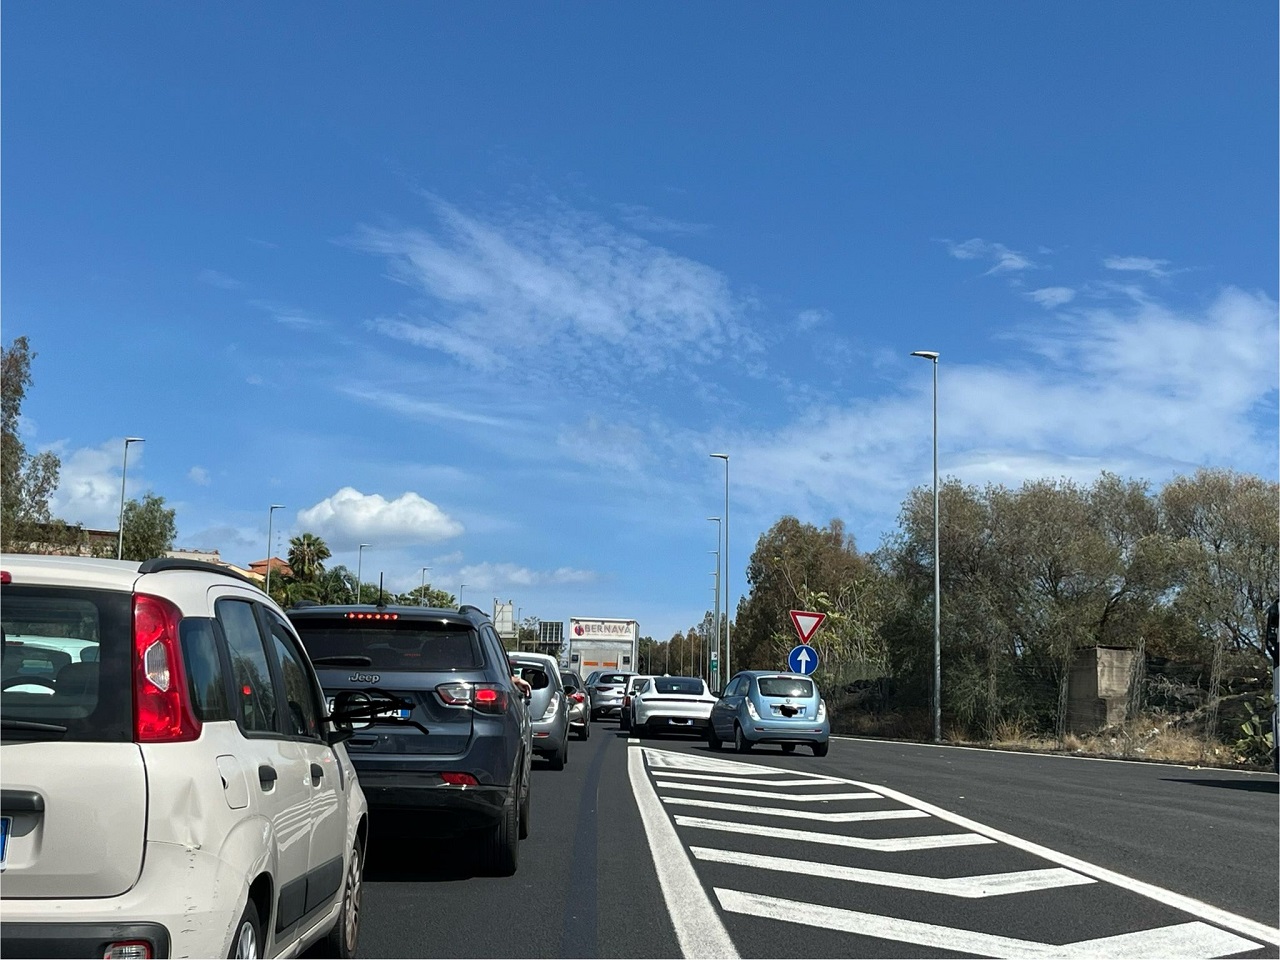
(471, 608)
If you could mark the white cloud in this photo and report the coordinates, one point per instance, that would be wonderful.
(808, 319)
(558, 284)
(1003, 259)
(199, 476)
(1142, 389)
(1050, 297)
(89, 483)
(350, 517)
(287, 315)
(220, 280)
(499, 576)
(1155, 268)
(417, 409)
(640, 217)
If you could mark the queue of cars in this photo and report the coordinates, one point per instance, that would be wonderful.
(190, 770)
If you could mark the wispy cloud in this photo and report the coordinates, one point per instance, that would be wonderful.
(428, 410)
(1003, 259)
(808, 319)
(498, 576)
(1050, 297)
(288, 315)
(220, 280)
(350, 517)
(641, 218)
(1147, 265)
(198, 476)
(555, 284)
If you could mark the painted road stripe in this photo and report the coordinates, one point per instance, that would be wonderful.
(855, 816)
(973, 888)
(765, 794)
(668, 760)
(880, 845)
(694, 918)
(1183, 940)
(807, 782)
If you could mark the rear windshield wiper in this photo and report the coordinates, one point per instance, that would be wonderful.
(8, 724)
(351, 660)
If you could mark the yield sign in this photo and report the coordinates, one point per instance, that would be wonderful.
(807, 623)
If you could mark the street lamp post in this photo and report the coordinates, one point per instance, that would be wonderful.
(713, 667)
(270, 516)
(360, 571)
(728, 605)
(123, 471)
(422, 597)
(932, 356)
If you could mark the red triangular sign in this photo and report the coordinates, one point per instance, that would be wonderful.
(807, 623)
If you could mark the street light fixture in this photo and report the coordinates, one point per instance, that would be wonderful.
(270, 516)
(422, 597)
(360, 571)
(713, 666)
(123, 471)
(728, 606)
(932, 356)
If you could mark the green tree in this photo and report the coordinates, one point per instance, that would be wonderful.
(149, 528)
(307, 554)
(26, 482)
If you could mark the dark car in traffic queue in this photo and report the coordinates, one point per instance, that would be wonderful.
(456, 757)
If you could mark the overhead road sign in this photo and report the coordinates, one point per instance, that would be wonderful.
(803, 659)
(807, 623)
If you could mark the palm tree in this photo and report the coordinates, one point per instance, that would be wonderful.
(307, 554)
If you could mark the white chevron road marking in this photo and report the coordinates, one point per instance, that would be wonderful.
(766, 794)
(1183, 940)
(856, 816)
(879, 844)
(802, 782)
(972, 888)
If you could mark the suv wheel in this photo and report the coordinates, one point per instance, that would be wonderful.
(501, 842)
(561, 756)
(524, 812)
(342, 940)
(247, 943)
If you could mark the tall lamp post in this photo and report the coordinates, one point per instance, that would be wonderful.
(713, 667)
(932, 356)
(728, 605)
(123, 471)
(270, 516)
(422, 596)
(360, 571)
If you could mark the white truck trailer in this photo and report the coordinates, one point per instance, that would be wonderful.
(603, 643)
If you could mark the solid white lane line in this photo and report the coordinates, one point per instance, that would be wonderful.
(1185, 940)
(697, 924)
(880, 845)
(972, 888)
(855, 816)
(765, 794)
(1197, 908)
(804, 782)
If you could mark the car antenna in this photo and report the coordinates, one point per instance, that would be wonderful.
(382, 601)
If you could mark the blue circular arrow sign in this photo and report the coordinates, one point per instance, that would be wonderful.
(803, 660)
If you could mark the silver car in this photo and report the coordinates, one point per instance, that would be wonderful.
(576, 696)
(548, 705)
(607, 692)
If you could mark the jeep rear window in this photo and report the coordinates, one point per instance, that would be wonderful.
(66, 662)
(391, 645)
(784, 687)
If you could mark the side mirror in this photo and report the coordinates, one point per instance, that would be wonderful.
(717, 694)
(570, 688)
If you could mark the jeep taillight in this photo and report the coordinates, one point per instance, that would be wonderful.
(485, 697)
(162, 709)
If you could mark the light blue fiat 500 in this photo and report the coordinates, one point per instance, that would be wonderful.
(761, 706)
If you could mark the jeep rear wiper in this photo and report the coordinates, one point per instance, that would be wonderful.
(351, 660)
(7, 724)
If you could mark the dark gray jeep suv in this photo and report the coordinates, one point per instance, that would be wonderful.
(455, 756)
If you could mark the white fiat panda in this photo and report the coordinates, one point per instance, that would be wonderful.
(171, 786)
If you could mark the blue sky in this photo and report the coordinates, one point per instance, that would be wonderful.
(483, 285)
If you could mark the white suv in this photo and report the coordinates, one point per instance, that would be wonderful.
(171, 784)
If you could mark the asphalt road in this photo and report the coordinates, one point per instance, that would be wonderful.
(664, 848)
